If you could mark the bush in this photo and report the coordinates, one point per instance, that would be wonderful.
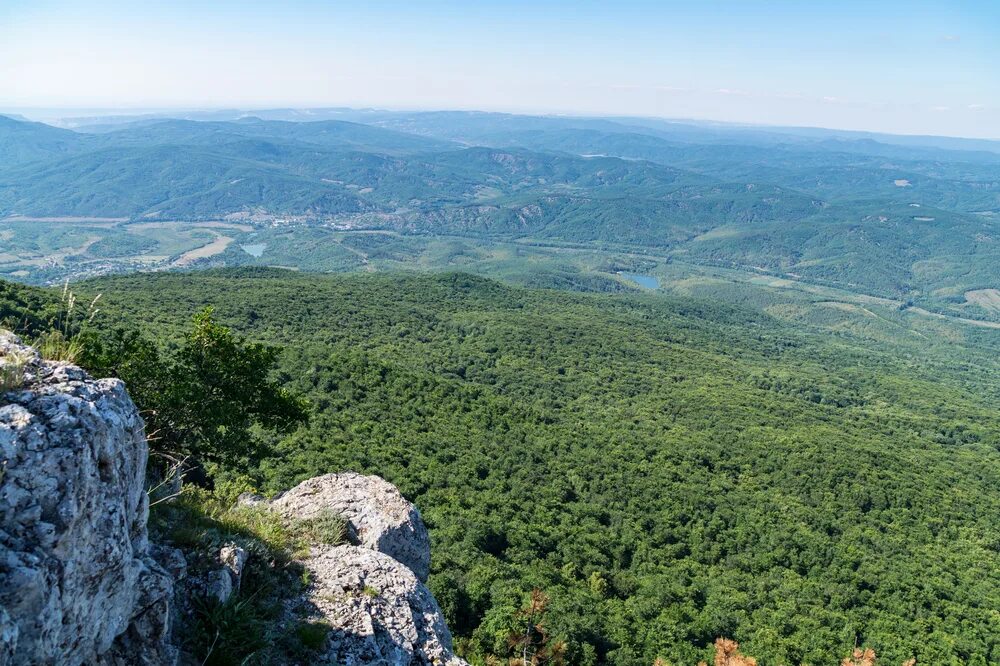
(208, 399)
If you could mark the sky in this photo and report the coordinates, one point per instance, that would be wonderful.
(907, 67)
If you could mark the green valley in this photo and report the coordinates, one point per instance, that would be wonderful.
(912, 223)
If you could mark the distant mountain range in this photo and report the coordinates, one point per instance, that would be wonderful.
(898, 216)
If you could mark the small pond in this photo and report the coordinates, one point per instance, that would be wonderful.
(644, 281)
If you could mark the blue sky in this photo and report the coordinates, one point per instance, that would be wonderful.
(906, 67)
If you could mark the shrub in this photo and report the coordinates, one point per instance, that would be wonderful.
(208, 399)
(327, 527)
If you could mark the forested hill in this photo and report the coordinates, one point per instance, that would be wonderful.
(882, 216)
(668, 471)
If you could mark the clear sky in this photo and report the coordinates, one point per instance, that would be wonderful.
(897, 66)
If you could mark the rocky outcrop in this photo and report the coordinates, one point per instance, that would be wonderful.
(371, 592)
(379, 517)
(76, 582)
(378, 610)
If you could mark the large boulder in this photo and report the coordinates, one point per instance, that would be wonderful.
(76, 582)
(380, 614)
(379, 517)
(371, 592)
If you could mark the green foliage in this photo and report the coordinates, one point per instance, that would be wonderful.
(209, 398)
(312, 635)
(121, 245)
(327, 527)
(206, 520)
(27, 311)
(528, 640)
(228, 634)
(246, 628)
(667, 470)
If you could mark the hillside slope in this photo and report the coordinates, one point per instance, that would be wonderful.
(668, 471)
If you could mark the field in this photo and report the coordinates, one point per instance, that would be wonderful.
(988, 299)
(51, 250)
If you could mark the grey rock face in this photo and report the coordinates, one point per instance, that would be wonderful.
(235, 559)
(380, 613)
(221, 584)
(380, 517)
(371, 593)
(76, 582)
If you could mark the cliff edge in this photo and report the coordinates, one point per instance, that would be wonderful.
(78, 584)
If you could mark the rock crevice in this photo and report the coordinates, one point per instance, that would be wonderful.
(77, 584)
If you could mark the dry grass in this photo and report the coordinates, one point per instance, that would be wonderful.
(12, 366)
(327, 528)
(64, 344)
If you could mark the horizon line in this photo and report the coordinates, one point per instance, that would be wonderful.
(138, 110)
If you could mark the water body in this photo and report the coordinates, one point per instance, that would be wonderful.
(255, 249)
(644, 281)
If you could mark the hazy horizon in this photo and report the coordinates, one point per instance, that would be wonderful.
(54, 116)
(902, 68)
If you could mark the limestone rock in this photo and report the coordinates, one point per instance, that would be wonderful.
(379, 612)
(221, 584)
(234, 558)
(218, 586)
(380, 517)
(76, 580)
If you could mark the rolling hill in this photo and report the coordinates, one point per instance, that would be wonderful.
(908, 220)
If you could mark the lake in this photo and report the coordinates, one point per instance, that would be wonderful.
(255, 249)
(645, 281)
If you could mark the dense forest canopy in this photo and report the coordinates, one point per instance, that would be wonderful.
(666, 470)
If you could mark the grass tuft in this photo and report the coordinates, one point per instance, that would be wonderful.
(65, 342)
(312, 635)
(12, 366)
(327, 528)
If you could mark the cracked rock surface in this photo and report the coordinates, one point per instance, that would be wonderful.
(77, 585)
(378, 610)
(371, 593)
(380, 517)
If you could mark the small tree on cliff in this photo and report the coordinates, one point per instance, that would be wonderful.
(208, 399)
